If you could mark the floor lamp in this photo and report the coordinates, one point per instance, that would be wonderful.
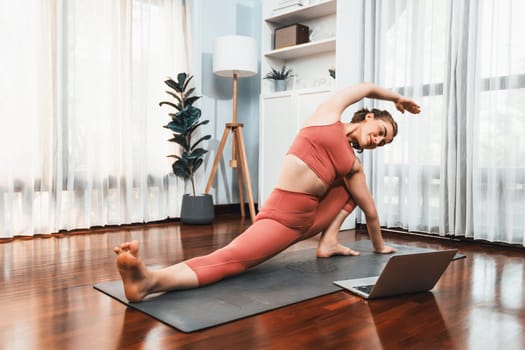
(236, 57)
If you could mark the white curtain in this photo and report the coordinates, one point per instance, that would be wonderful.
(459, 167)
(498, 145)
(82, 142)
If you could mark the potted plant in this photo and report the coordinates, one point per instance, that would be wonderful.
(196, 208)
(332, 72)
(279, 76)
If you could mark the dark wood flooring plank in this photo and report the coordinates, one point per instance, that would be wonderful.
(48, 301)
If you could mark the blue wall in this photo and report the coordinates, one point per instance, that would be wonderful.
(213, 19)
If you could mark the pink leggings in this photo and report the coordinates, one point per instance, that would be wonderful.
(286, 218)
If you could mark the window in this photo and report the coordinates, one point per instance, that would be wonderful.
(459, 168)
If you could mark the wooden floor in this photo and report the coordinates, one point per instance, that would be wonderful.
(47, 299)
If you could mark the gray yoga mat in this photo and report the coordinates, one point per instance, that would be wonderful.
(286, 279)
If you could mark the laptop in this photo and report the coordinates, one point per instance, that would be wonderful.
(402, 274)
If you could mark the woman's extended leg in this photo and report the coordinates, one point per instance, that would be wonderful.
(264, 239)
(139, 281)
(292, 214)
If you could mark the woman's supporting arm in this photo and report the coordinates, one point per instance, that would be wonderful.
(356, 184)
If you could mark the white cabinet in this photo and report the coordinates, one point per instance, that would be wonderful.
(282, 115)
(278, 120)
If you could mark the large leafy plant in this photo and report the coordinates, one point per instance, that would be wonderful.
(184, 122)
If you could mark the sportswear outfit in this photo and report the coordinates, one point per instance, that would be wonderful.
(288, 217)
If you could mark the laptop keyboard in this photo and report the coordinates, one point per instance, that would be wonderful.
(365, 289)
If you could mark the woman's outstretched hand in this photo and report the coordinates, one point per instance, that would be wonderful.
(404, 104)
(385, 250)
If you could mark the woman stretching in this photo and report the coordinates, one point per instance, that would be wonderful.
(320, 184)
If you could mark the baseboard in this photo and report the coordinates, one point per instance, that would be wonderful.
(220, 209)
(223, 209)
(398, 230)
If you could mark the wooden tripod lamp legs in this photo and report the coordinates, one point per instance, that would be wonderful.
(218, 157)
(243, 173)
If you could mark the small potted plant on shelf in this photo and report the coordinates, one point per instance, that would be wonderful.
(196, 208)
(279, 76)
(332, 72)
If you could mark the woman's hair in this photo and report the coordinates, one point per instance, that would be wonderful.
(360, 115)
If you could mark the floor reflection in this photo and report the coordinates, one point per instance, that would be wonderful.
(421, 325)
(496, 314)
(136, 327)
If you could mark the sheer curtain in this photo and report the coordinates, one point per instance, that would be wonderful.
(459, 167)
(82, 137)
(498, 145)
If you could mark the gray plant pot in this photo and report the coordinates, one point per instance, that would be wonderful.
(280, 85)
(197, 210)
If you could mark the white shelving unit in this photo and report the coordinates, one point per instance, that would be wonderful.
(310, 61)
(283, 113)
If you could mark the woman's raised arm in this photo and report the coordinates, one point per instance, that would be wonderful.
(332, 108)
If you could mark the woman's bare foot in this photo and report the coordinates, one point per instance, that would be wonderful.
(328, 250)
(135, 275)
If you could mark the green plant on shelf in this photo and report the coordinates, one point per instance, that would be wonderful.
(279, 74)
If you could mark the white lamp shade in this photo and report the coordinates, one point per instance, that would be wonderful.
(235, 54)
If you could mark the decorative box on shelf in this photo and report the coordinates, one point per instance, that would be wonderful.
(291, 35)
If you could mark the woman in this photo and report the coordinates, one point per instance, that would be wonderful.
(320, 184)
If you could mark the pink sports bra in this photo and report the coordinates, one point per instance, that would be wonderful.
(326, 150)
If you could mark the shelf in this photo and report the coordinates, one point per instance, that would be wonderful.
(323, 8)
(302, 50)
(301, 91)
